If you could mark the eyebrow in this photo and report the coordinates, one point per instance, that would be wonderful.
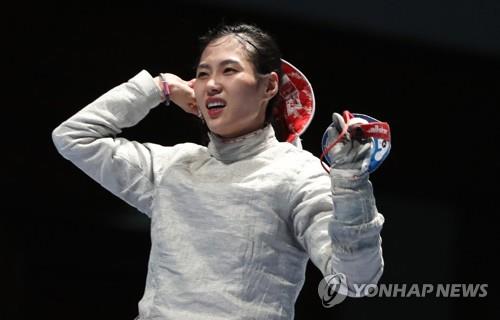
(222, 63)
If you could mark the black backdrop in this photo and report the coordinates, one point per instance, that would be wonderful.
(70, 249)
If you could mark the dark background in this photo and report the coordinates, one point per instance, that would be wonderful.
(71, 250)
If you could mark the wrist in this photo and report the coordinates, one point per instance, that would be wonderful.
(157, 81)
(164, 86)
(348, 178)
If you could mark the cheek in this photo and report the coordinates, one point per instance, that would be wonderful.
(248, 92)
(198, 94)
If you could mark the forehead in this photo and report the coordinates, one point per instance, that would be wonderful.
(227, 47)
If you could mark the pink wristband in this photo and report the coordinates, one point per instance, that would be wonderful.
(165, 89)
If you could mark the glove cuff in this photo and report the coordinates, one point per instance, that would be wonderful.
(348, 178)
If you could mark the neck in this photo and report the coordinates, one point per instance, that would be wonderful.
(233, 149)
(238, 135)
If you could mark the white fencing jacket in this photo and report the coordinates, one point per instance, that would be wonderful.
(232, 225)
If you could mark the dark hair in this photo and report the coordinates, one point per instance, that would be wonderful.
(262, 50)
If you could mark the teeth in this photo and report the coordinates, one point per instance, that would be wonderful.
(215, 104)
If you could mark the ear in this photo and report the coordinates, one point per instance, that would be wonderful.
(272, 85)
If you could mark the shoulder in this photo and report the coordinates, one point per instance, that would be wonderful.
(299, 156)
(178, 151)
(305, 176)
(165, 157)
(299, 163)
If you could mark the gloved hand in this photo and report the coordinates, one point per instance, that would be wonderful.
(348, 154)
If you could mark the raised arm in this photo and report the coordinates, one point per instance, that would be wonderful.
(89, 138)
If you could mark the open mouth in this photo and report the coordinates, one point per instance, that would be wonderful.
(214, 104)
(215, 107)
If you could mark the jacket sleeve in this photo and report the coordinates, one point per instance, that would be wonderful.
(336, 221)
(88, 139)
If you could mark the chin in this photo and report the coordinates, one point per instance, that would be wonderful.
(225, 134)
(230, 132)
(219, 130)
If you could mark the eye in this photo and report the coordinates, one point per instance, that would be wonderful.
(201, 74)
(229, 70)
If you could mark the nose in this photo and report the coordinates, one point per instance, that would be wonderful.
(213, 86)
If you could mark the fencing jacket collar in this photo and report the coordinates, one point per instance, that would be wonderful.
(230, 150)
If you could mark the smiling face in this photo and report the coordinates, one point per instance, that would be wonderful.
(230, 95)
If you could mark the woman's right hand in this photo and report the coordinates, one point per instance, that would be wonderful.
(181, 92)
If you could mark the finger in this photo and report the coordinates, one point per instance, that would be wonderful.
(193, 108)
(338, 121)
(362, 151)
(332, 133)
(191, 82)
(337, 150)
